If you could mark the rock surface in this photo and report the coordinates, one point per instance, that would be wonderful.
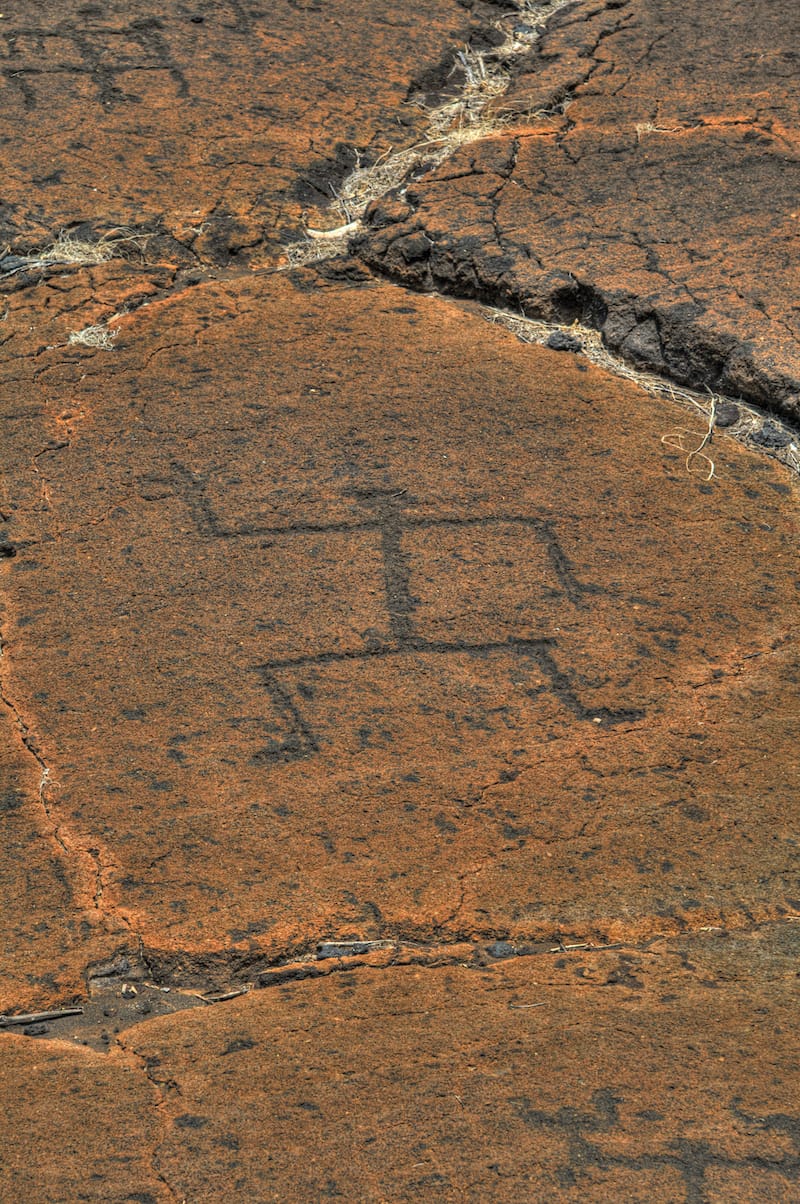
(209, 125)
(361, 656)
(665, 1073)
(363, 631)
(656, 204)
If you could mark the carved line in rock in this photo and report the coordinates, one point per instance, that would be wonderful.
(24, 71)
(692, 1159)
(389, 520)
(759, 433)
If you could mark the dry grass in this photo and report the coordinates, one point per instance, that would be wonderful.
(312, 250)
(68, 251)
(647, 127)
(99, 337)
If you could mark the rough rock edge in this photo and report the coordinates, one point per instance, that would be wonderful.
(466, 117)
(769, 410)
(743, 421)
(398, 248)
(200, 986)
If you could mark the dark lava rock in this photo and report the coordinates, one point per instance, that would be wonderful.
(728, 414)
(561, 341)
(771, 435)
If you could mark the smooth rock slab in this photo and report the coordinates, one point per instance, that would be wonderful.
(341, 614)
(662, 206)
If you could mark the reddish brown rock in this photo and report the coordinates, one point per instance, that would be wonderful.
(661, 206)
(213, 125)
(662, 1073)
(76, 1126)
(339, 612)
(355, 651)
(46, 943)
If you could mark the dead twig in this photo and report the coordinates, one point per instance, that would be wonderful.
(559, 948)
(38, 1017)
(338, 232)
(224, 996)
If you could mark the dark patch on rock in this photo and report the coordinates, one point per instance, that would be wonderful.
(189, 1121)
(319, 181)
(772, 436)
(559, 340)
(11, 800)
(500, 950)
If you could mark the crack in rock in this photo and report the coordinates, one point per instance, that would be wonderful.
(465, 118)
(745, 422)
(162, 1089)
(82, 858)
(132, 989)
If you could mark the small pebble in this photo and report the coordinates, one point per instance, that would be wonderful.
(771, 435)
(561, 341)
(728, 414)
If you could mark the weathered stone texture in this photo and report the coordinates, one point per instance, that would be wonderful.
(355, 651)
(211, 124)
(662, 204)
(386, 623)
(75, 1126)
(661, 1074)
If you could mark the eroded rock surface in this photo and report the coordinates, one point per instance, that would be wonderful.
(387, 624)
(361, 657)
(663, 1073)
(658, 200)
(211, 125)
